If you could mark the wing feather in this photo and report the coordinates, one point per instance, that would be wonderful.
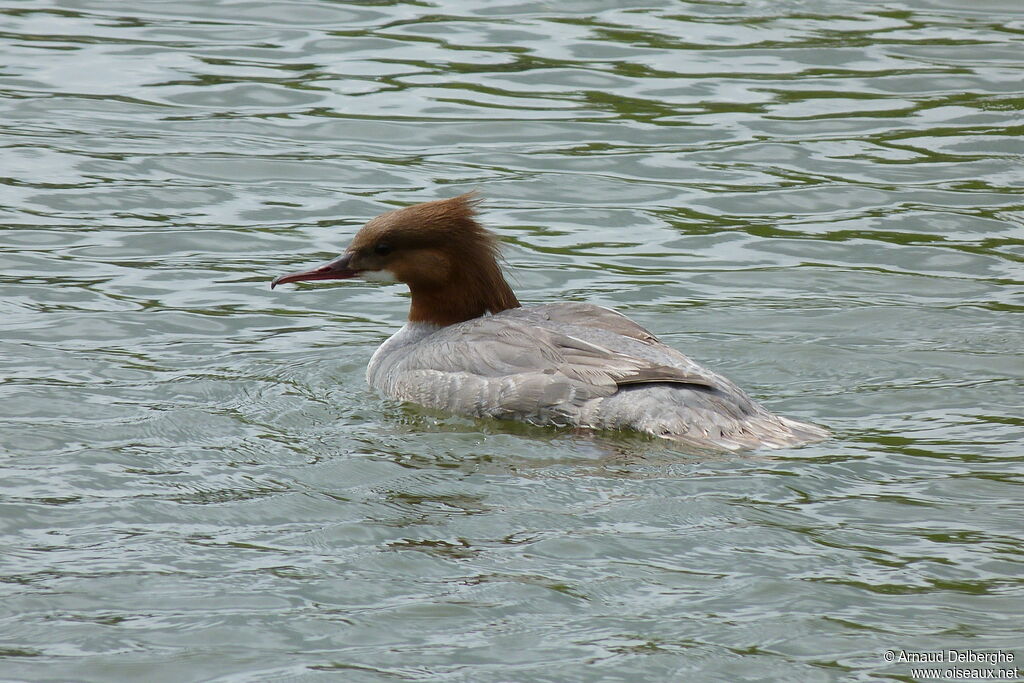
(508, 366)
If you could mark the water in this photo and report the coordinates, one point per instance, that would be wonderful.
(820, 199)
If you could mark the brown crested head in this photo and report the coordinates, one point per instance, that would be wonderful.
(448, 260)
(423, 243)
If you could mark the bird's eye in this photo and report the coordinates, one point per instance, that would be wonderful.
(382, 249)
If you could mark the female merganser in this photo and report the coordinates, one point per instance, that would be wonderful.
(567, 364)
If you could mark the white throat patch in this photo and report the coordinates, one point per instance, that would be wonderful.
(378, 276)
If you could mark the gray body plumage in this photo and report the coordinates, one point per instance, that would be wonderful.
(575, 364)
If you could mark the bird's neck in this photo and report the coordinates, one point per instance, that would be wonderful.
(472, 292)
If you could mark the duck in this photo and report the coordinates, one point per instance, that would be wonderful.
(471, 348)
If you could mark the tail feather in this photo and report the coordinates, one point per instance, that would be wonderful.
(768, 431)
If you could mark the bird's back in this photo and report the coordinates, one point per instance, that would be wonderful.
(575, 364)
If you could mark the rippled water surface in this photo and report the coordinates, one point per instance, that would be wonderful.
(819, 198)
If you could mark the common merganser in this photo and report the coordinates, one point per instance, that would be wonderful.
(471, 348)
